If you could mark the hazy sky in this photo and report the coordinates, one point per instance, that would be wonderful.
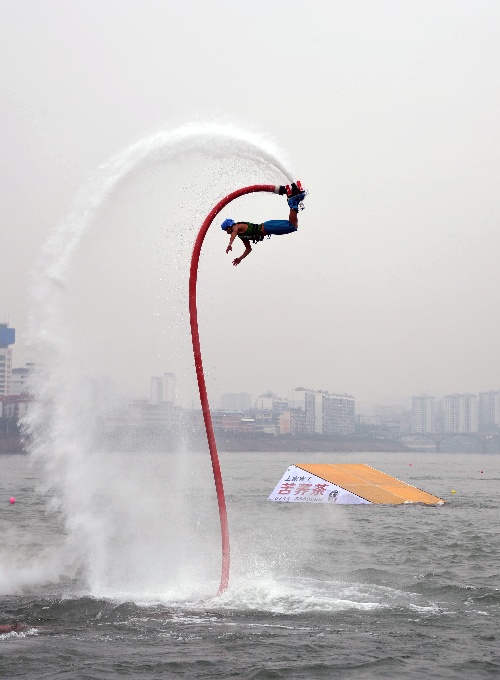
(388, 110)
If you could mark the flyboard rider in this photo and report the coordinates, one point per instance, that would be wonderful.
(247, 231)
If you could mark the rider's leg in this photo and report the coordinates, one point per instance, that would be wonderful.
(293, 218)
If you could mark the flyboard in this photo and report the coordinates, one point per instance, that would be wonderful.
(346, 484)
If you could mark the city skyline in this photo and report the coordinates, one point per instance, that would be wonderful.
(167, 383)
(389, 286)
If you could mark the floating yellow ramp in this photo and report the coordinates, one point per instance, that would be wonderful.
(346, 483)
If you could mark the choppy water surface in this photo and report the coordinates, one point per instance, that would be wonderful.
(315, 592)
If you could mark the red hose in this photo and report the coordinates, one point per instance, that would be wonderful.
(195, 336)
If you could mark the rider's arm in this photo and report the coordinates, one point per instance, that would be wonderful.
(234, 234)
(248, 250)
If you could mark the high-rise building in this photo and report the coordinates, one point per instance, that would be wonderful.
(304, 399)
(163, 389)
(269, 401)
(7, 337)
(20, 383)
(460, 413)
(338, 413)
(326, 412)
(489, 408)
(423, 413)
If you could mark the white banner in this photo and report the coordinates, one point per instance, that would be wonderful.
(298, 486)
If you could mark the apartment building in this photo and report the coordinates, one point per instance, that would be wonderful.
(460, 412)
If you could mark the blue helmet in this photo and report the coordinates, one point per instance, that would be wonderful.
(227, 223)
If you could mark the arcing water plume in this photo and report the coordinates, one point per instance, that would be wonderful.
(219, 141)
(126, 534)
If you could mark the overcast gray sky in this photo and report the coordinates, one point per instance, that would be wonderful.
(388, 111)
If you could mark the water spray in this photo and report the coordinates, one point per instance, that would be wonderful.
(58, 422)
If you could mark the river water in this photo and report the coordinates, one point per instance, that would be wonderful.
(316, 591)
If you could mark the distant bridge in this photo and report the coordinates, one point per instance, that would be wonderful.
(438, 437)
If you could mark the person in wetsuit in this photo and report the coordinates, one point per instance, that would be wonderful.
(250, 232)
(12, 627)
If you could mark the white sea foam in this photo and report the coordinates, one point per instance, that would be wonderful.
(306, 595)
(288, 597)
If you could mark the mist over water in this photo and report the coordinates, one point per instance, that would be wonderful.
(110, 311)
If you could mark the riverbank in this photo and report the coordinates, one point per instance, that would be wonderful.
(157, 442)
(308, 444)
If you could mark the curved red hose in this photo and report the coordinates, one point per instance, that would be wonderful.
(195, 337)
